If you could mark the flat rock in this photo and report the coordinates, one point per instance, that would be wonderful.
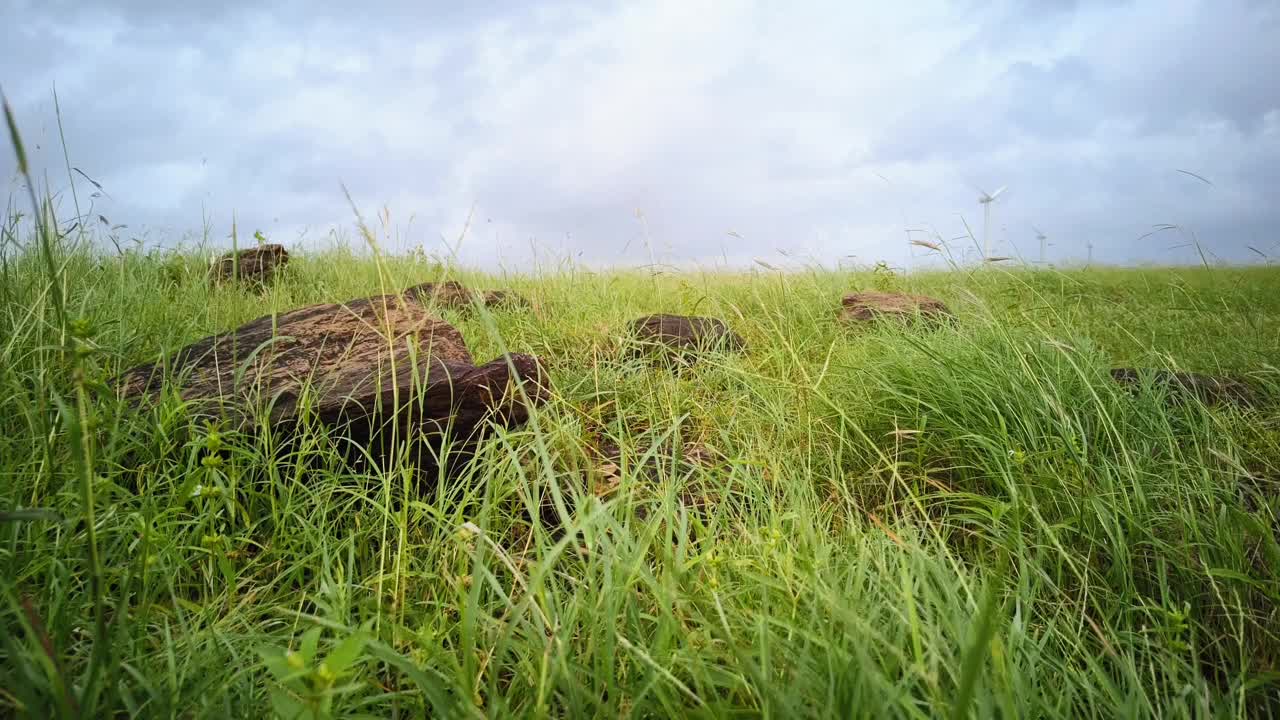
(254, 266)
(1208, 389)
(366, 365)
(453, 294)
(865, 307)
(685, 336)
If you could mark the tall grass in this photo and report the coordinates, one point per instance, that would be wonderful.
(972, 522)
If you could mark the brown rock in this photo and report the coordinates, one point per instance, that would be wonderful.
(367, 366)
(453, 294)
(450, 294)
(508, 299)
(684, 336)
(863, 307)
(255, 266)
(1208, 389)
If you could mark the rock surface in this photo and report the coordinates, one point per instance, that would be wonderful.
(255, 266)
(367, 366)
(1208, 389)
(453, 294)
(865, 307)
(508, 299)
(449, 293)
(684, 336)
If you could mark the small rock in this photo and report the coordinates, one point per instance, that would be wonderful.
(255, 266)
(684, 336)
(447, 294)
(453, 294)
(1208, 389)
(507, 299)
(864, 307)
(366, 366)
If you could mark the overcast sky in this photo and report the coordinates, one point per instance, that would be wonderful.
(703, 132)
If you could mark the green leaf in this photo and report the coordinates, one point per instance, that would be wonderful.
(1227, 574)
(30, 515)
(442, 704)
(976, 656)
(286, 707)
(346, 653)
(228, 571)
(14, 138)
(275, 662)
(1270, 547)
(310, 642)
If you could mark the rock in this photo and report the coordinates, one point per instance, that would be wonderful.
(864, 307)
(256, 266)
(508, 299)
(453, 294)
(1208, 389)
(367, 366)
(682, 336)
(447, 294)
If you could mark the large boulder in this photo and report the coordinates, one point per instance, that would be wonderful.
(1179, 386)
(682, 337)
(377, 368)
(254, 266)
(866, 307)
(453, 294)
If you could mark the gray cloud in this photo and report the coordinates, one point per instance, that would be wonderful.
(617, 133)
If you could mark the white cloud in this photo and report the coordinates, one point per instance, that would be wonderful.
(559, 122)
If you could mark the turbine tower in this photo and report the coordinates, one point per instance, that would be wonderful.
(1043, 244)
(986, 199)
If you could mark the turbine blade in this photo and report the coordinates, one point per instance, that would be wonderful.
(1184, 172)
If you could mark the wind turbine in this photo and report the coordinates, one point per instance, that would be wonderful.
(1042, 238)
(986, 199)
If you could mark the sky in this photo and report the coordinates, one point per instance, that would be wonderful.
(722, 133)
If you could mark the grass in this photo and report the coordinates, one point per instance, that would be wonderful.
(970, 522)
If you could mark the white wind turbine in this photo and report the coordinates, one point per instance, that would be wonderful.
(1043, 244)
(986, 199)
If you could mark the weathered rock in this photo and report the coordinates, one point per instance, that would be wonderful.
(508, 299)
(864, 307)
(367, 366)
(255, 266)
(1208, 389)
(682, 336)
(450, 294)
(453, 294)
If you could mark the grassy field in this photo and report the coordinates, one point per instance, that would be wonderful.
(878, 522)
(974, 521)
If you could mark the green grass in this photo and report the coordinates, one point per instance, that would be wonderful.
(1043, 544)
(972, 522)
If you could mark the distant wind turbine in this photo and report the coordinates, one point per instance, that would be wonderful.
(1043, 244)
(986, 199)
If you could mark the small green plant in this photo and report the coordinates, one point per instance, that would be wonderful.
(307, 683)
(884, 279)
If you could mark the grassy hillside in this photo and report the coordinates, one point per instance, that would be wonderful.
(882, 523)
